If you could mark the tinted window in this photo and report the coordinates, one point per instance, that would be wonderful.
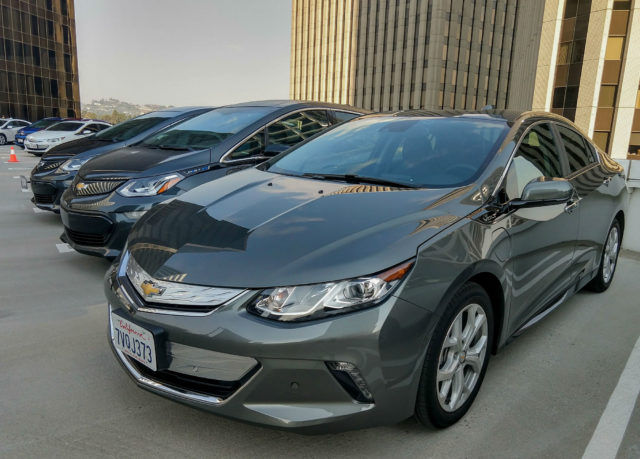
(295, 128)
(44, 123)
(131, 128)
(427, 152)
(344, 116)
(578, 154)
(253, 146)
(66, 126)
(537, 156)
(208, 129)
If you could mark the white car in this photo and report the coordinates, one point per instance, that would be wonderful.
(65, 131)
(8, 129)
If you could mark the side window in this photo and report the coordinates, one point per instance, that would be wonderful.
(537, 156)
(344, 116)
(578, 154)
(102, 127)
(253, 146)
(297, 127)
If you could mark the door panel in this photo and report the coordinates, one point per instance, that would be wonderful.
(543, 238)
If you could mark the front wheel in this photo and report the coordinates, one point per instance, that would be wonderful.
(457, 358)
(608, 259)
(3, 139)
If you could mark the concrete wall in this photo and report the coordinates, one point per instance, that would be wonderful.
(631, 239)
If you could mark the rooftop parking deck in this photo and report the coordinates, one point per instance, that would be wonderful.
(62, 394)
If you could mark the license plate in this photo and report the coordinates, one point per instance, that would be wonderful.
(30, 145)
(133, 340)
(19, 140)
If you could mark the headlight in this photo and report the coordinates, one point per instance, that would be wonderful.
(149, 186)
(72, 165)
(306, 302)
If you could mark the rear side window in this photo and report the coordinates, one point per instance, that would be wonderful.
(295, 128)
(579, 155)
(537, 156)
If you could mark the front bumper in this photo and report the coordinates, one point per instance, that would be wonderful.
(47, 190)
(291, 386)
(20, 140)
(96, 233)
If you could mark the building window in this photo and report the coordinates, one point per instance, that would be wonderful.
(614, 53)
(573, 35)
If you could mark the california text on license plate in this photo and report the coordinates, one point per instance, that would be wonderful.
(133, 340)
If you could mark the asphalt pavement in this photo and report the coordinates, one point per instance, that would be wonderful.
(62, 394)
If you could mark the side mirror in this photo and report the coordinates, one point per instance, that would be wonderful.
(544, 191)
(274, 149)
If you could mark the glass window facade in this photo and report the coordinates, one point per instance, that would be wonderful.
(607, 100)
(38, 66)
(573, 36)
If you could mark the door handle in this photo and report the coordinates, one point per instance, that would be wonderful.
(571, 206)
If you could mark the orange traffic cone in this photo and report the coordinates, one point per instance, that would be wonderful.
(12, 157)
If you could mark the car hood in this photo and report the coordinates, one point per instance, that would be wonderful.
(137, 161)
(255, 229)
(39, 135)
(87, 146)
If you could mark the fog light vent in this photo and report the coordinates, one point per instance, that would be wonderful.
(351, 380)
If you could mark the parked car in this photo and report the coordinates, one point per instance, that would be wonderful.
(57, 168)
(42, 141)
(35, 127)
(9, 128)
(368, 274)
(112, 191)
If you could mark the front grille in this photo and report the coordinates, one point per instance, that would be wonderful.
(43, 198)
(89, 239)
(91, 188)
(48, 165)
(181, 381)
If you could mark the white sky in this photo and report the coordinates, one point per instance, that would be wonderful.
(183, 52)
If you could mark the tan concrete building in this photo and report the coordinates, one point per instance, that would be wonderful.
(38, 65)
(572, 57)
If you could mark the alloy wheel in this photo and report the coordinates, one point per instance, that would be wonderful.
(462, 357)
(610, 255)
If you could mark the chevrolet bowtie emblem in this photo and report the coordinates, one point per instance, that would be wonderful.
(150, 288)
(80, 186)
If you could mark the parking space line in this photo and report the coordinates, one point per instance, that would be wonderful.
(610, 430)
(64, 247)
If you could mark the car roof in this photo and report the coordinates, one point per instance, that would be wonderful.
(293, 104)
(181, 109)
(508, 116)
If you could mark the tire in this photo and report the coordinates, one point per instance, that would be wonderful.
(3, 139)
(437, 411)
(608, 259)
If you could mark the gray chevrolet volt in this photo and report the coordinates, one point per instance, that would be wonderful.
(367, 274)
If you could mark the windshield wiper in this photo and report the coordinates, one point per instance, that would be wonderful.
(171, 147)
(353, 178)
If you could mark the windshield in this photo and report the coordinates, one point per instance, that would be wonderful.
(415, 152)
(65, 126)
(131, 128)
(208, 129)
(43, 123)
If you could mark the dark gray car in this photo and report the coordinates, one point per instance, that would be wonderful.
(368, 274)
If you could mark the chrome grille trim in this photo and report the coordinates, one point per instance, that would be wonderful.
(96, 187)
(48, 165)
(175, 293)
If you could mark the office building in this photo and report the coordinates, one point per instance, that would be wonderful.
(571, 57)
(38, 66)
